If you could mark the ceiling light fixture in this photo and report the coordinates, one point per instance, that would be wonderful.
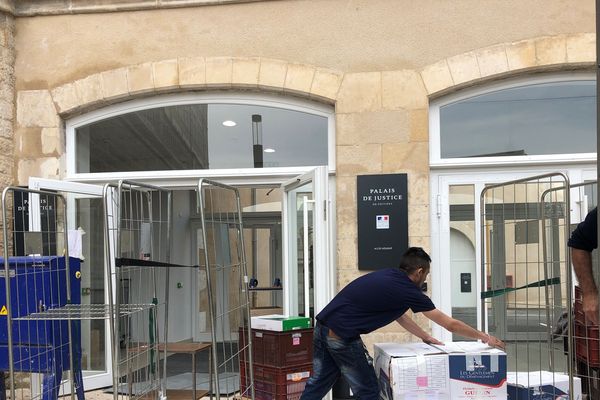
(229, 123)
(269, 150)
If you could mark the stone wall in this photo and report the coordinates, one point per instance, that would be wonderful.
(57, 7)
(7, 97)
(379, 77)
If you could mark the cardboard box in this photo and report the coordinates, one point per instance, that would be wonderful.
(279, 323)
(455, 371)
(258, 311)
(541, 385)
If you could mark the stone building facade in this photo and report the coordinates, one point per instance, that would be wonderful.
(7, 95)
(377, 63)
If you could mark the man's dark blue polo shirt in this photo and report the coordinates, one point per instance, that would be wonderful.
(372, 301)
(585, 236)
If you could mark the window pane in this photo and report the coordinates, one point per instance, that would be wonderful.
(548, 118)
(195, 137)
(463, 266)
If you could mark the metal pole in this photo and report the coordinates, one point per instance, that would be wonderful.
(244, 268)
(211, 305)
(69, 298)
(597, 166)
(168, 272)
(11, 372)
(306, 256)
(108, 195)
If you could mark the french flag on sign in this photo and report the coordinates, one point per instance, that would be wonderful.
(383, 222)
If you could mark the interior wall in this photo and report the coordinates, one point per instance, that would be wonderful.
(181, 300)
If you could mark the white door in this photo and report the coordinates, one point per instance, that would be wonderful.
(307, 274)
(456, 238)
(85, 209)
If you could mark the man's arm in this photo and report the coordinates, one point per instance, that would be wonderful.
(459, 327)
(407, 323)
(582, 264)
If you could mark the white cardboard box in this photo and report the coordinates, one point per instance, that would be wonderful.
(541, 385)
(455, 371)
(279, 323)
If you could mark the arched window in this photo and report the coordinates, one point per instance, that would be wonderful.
(528, 119)
(197, 132)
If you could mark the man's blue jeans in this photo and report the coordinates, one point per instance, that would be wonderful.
(333, 356)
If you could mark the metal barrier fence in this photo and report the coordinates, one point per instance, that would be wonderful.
(137, 248)
(41, 310)
(32, 342)
(222, 258)
(586, 357)
(528, 282)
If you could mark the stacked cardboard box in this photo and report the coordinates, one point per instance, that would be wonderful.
(542, 385)
(279, 323)
(455, 371)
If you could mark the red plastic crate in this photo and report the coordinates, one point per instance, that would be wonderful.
(587, 344)
(276, 383)
(279, 349)
(578, 313)
(578, 306)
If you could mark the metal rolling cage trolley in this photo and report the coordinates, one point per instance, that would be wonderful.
(137, 248)
(586, 339)
(36, 336)
(526, 280)
(222, 259)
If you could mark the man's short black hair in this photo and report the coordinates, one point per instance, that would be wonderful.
(413, 259)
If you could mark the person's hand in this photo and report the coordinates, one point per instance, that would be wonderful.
(590, 307)
(432, 340)
(495, 342)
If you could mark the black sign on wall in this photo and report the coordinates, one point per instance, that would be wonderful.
(47, 213)
(382, 203)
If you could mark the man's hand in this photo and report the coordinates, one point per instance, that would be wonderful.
(495, 342)
(590, 307)
(431, 340)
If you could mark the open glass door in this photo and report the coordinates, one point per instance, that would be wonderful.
(85, 208)
(307, 275)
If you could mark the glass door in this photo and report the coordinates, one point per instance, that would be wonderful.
(456, 238)
(85, 209)
(307, 274)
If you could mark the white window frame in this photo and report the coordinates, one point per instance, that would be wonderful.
(188, 179)
(440, 181)
(251, 176)
(436, 161)
(483, 170)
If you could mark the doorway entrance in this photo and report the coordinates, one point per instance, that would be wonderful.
(456, 241)
(278, 256)
(252, 141)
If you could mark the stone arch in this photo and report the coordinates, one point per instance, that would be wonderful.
(39, 128)
(196, 73)
(538, 54)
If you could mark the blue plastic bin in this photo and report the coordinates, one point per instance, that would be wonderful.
(40, 346)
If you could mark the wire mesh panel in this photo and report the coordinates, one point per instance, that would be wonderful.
(526, 276)
(222, 259)
(38, 280)
(586, 349)
(138, 226)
